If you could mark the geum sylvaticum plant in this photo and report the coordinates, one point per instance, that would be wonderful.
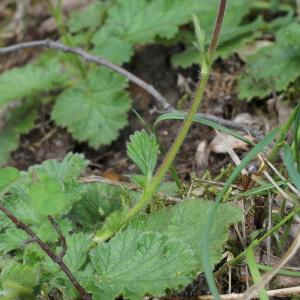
(60, 235)
(112, 30)
(90, 102)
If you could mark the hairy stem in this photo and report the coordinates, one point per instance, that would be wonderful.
(169, 158)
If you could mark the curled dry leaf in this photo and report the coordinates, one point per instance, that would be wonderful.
(217, 144)
(245, 119)
(202, 155)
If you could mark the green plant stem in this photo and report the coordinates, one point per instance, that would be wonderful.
(273, 156)
(57, 15)
(157, 179)
(169, 158)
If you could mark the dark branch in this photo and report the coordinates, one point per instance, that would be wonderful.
(62, 238)
(55, 258)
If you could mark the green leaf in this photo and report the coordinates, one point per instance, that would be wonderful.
(135, 264)
(8, 176)
(89, 18)
(78, 247)
(95, 110)
(51, 187)
(17, 121)
(72, 166)
(47, 232)
(22, 82)
(97, 202)
(290, 165)
(19, 280)
(48, 197)
(272, 68)
(290, 35)
(125, 25)
(12, 239)
(186, 221)
(65, 174)
(143, 151)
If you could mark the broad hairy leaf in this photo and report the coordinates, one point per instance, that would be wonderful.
(72, 166)
(274, 67)
(143, 151)
(50, 188)
(97, 202)
(95, 110)
(48, 197)
(135, 263)
(78, 246)
(125, 25)
(18, 281)
(47, 232)
(11, 239)
(186, 221)
(19, 83)
(89, 18)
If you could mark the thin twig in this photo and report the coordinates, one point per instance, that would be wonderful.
(292, 291)
(160, 99)
(54, 257)
(91, 58)
(62, 238)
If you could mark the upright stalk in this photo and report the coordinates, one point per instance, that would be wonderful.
(169, 158)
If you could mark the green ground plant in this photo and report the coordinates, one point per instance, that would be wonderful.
(59, 234)
(112, 29)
